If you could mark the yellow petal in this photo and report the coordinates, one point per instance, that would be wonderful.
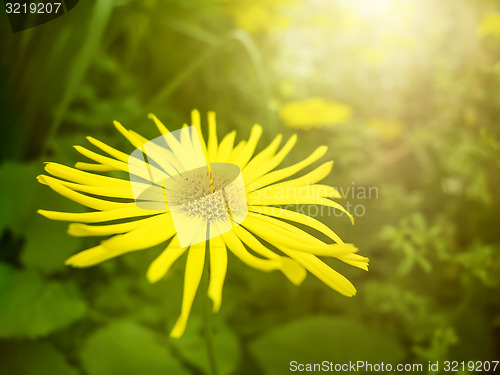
(269, 165)
(355, 260)
(195, 120)
(161, 265)
(160, 230)
(119, 165)
(133, 140)
(212, 137)
(92, 256)
(95, 203)
(83, 230)
(75, 175)
(104, 191)
(218, 269)
(291, 269)
(161, 128)
(98, 254)
(281, 233)
(234, 244)
(109, 150)
(236, 151)
(95, 167)
(297, 217)
(169, 160)
(97, 217)
(194, 270)
(312, 177)
(263, 156)
(225, 148)
(323, 272)
(280, 174)
(296, 193)
(248, 149)
(293, 201)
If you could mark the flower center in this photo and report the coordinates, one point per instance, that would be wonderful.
(192, 193)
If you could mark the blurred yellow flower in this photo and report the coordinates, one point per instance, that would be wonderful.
(266, 188)
(490, 25)
(314, 113)
(387, 128)
(257, 16)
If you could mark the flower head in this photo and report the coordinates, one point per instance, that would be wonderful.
(388, 129)
(490, 25)
(265, 237)
(314, 113)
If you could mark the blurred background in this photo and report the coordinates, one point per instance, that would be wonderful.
(406, 95)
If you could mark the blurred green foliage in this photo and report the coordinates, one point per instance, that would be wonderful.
(431, 67)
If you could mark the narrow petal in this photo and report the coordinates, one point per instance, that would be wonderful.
(99, 216)
(159, 125)
(218, 269)
(225, 148)
(160, 230)
(95, 167)
(161, 265)
(234, 244)
(355, 260)
(83, 230)
(142, 238)
(266, 167)
(119, 165)
(297, 193)
(212, 137)
(279, 232)
(194, 270)
(281, 174)
(109, 150)
(75, 175)
(93, 256)
(105, 191)
(195, 120)
(263, 156)
(297, 217)
(291, 269)
(236, 151)
(323, 272)
(95, 203)
(246, 152)
(310, 178)
(133, 140)
(312, 201)
(101, 253)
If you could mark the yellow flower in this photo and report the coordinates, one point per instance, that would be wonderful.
(490, 25)
(314, 113)
(257, 16)
(265, 187)
(387, 128)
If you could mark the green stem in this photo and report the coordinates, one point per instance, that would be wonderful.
(214, 45)
(207, 317)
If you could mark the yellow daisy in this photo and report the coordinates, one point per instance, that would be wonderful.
(266, 221)
(315, 113)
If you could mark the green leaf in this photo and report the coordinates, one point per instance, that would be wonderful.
(47, 253)
(33, 358)
(192, 347)
(126, 348)
(32, 307)
(18, 196)
(322, 338)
